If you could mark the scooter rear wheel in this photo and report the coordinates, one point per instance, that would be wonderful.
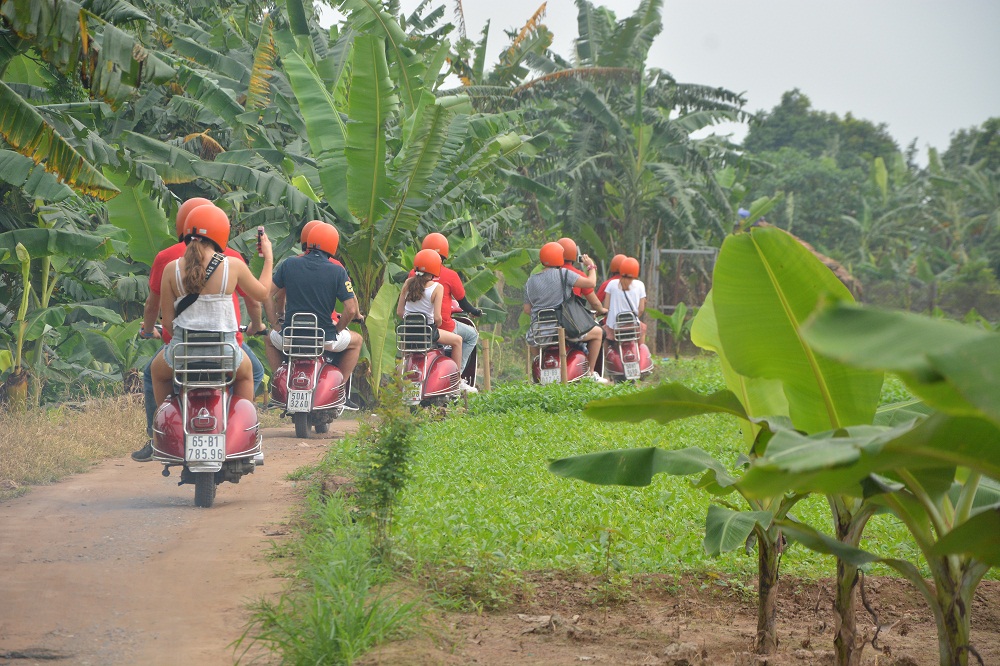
(301, 421)
(204, 489)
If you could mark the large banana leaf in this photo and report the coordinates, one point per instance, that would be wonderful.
(135, 211)
(325, 130)
(951, 366)
(68, 37)
(28, 133)
(41, 242)
(370, 103)
(766, 285)
(369, 16)
(24, 173)
(726, 529)
(381, 325)
(636, 467)
(665, 403)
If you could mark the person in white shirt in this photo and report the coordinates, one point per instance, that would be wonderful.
(626, 294)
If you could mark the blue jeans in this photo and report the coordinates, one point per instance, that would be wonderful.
(150, 400)
(470, 337)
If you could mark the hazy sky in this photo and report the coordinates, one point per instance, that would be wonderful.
(924, 67)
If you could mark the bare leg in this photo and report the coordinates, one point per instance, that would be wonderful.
(349, 357)
(455, 340)
(243, 383)
(593, 338)
(163, 378)
(274, 357)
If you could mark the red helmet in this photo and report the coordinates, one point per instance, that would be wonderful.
(436, 242)
(570, 251)
(324, 237)
(551, 255)
(306, 228)
(629, 267)
(185, 210)
(428, 261)
(616, 262)
(209, 222)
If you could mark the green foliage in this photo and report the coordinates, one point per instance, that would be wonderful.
(551, 398)
(339, 608)
(385, 467)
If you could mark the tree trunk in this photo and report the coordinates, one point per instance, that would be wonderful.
(15, 391)
(767, 594)
(845, 602)
(955, 599)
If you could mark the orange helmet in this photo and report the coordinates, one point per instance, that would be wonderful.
(437, 242)
(428, 261)
(570, 251)
(324, 237)
(616, 262)
(551, 255)
(209, 222)
(306, 228)
(629, 267)
(185, 210)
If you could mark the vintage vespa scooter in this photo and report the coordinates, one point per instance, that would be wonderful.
(429, 374)
(626, 359)
(545, 364)
(212, 435)
(308, 385)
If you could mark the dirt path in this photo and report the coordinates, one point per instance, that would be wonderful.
(117, 566)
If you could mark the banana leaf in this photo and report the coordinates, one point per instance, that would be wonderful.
(381, 325)
(135, 211)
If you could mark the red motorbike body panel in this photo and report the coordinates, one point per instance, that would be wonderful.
(576, 363)
(630, 352)
(436, 373)
(204, 413)
(328, 390)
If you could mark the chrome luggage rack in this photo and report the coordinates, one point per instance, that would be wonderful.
(545, 328)
(627, 327)
(204, 360)
(303, 337)
(414, 334)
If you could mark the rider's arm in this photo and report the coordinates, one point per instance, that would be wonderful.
(596, 303)
(256, 289)
(469, 307)
(591, 280)
(607, 301)
(401, 303)
(527, 308)
(149, 315)
(350, 311)
(167, 297)
(642, 306)
(436, 296)
(253, 310)
(274, 306)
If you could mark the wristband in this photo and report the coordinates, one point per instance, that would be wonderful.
(144, 336)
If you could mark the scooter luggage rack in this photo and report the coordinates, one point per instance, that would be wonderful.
(545, 328)
(201, 361)
(414, 334)
(303, 338)
(627, 327)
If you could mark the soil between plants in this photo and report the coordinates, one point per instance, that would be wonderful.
(117, 566)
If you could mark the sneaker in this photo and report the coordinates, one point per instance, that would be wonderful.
(465, 387)
(351, 405)
(145, 454)
(600, 380)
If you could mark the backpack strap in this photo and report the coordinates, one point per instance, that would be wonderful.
(188, 299)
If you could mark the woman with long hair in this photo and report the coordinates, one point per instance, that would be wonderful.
(206, 233)
(421, 295)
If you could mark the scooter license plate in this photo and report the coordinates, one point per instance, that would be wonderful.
(204, 448)
(550, 376)
(632, 370)
(412, 394)
(299, 401)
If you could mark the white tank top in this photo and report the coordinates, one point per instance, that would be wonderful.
(424, 306)
(210, 312)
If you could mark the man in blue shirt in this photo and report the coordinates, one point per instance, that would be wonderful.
(311, 283)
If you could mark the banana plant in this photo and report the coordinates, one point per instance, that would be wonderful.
(932, 465)
(678, 324)
(766, 285)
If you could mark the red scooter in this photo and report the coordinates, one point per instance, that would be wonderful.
(430, 376)
(545, 364)
(308, 384)
(213, 436)
(626, 359)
